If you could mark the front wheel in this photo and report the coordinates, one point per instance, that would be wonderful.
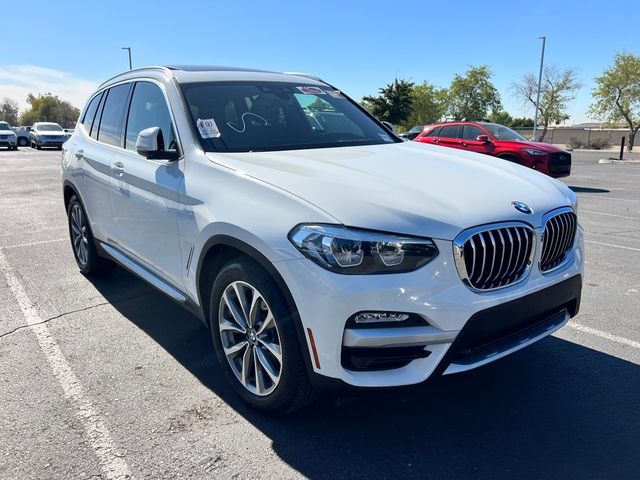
(256, 340)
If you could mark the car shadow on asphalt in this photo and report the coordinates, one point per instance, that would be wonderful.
(588, 189)
(555, 410)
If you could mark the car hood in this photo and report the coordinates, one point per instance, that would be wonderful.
(545, 147)
(6, 132)
(49, 134)
(409, 188)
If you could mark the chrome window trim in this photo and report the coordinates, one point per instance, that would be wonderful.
(133, 80)
(569, 256)
(461, 239)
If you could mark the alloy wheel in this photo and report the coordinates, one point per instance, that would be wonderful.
(79, 235)
(250, 338)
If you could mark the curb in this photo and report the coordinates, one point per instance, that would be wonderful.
(620, 162)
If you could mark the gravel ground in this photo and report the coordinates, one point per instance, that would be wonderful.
(107, 378)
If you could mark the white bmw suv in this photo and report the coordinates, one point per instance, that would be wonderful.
(318, 248)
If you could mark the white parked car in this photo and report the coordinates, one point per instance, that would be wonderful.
(318, 252)
(47, 134)
(8, 137)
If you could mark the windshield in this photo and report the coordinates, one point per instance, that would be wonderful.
(50, 128)
(500, 132)
(261, 116)
(4, 126)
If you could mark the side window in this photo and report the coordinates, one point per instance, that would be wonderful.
(149, 109)
(450, 131)
(471, 132)
(433, 133)
(96, 121)
(112, 115)
(90, 112)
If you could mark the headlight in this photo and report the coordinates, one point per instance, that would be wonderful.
(355, 251)
(533, 151)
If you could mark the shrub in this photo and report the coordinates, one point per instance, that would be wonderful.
(575, 143)
(600, 144)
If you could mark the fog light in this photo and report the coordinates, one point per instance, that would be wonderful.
(378, 317)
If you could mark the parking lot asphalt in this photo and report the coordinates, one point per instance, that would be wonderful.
(107, 378)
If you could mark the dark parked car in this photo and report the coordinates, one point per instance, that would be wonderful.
(413, 133)
(499, 141)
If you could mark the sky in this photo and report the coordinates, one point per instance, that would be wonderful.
(70, 47)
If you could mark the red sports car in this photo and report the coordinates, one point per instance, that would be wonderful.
(499, 141)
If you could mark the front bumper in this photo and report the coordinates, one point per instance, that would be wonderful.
(50, 142)
(538, 306)
(8, 142)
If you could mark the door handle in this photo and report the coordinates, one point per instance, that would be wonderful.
(117, 167)
(79, 154)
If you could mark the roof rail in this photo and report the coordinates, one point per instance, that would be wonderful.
(307, 75)
(153, 67)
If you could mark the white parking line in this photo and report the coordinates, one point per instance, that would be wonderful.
(111, 461)
(608, 214)
(33, 243)
(633, 249)
(605, 335)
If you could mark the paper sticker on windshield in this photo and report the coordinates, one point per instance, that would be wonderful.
(335, 93)
(208, 128)
(311, 90)
(385, 137)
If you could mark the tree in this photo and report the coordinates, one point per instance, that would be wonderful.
(556, 91)
(523, 122)
(428, 103)
(9, 111)
(502, 118)
(617, 94)
(394, 102)
(49, 108)
(473, 96)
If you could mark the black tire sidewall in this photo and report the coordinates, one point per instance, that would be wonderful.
(94, 262)
(244, 269)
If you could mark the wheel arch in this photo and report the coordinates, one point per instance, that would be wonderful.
(220, 249)
(68, 191)
(507, 155)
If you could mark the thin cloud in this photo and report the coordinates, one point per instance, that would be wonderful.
(17, 81)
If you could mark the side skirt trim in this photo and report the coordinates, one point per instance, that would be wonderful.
(144, 274)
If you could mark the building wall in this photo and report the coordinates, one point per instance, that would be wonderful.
(564, 135)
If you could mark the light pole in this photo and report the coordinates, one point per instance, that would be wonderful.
(128, 49)
(535, 120)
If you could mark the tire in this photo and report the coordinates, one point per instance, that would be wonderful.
(287, 387)
(38, 147)
(82, 241)
(23, 142)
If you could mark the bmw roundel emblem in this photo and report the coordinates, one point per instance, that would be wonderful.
(522, 207)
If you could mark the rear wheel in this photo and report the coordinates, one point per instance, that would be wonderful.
(82, 241)
(256, 341)
(23, 142)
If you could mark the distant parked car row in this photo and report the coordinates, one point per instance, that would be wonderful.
(496, 140)
(8, 137)
(38, 135)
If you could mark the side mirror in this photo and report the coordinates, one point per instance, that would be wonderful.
(390, 126)
(483, 138)
(150, 144)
